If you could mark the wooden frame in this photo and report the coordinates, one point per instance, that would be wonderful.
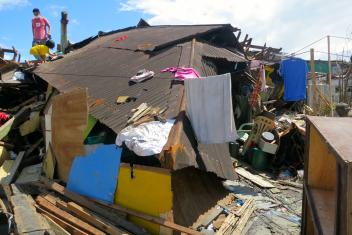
(327, 204)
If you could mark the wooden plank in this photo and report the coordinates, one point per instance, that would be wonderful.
(5, 129)
(67, 217)
(5, 169)
(4, 155)
(229, 223)
(13, 122)
(79, 199)
(55, 226)
(27, 220)
(93, 219)
(30, 125)
(140, 109)
(244, 207)
(69, 121)
(6, 145)
(322, 163)
(49, 163)
(254, 178)
(10, 177)
(152, 219)
(243, 221)
(107, 214)
(70, 228)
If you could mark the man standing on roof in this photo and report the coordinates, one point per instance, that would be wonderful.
(40, 28)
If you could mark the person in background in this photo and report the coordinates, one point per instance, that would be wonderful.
(40, 28)
(41, 52)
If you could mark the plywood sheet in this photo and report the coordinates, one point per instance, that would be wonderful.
(322, 163)
(69, 121)
(337, 132)
(49, 163)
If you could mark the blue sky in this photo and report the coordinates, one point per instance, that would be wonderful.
(15, 18)
(290, 24)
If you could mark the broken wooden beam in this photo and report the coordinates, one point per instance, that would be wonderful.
(10, 177)
(91, 218)
(65, 225)
(63, 215)
(256, 179)
(152, 219)
(94, 207)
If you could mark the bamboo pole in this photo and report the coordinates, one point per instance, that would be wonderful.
(329, 78)
(314, 81)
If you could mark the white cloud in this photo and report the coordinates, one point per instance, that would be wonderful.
(7, 4)
(55, 10)
(290, 24)
(75, 21)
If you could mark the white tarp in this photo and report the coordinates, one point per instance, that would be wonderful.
(209, 108)
(146, 139)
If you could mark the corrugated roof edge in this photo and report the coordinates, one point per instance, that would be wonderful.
(86, 41)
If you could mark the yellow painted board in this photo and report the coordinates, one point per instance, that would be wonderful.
(6, 128)
(4, 155)
(149, 191)
(5, 169)
(49, 163)
(30, 125)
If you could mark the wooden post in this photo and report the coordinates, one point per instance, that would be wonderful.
(314, 81)
(329, 78)
(64, 22)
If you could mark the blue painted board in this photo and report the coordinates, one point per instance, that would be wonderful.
(95, 175)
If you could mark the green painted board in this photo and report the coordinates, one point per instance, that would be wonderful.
(91, 123)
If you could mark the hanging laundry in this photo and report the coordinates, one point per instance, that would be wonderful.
(182, 73)
(294, 72)
(209, 108)
(146, 139)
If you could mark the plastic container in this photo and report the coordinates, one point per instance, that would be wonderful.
(234, 148)
(259, 159)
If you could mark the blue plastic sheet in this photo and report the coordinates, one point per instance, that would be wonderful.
(95, 175)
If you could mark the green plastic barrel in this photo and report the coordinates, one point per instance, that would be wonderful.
(259, 159)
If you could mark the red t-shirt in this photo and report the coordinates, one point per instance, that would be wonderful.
(39, 27)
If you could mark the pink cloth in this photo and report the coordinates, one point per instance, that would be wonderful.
(182, 73)
(39, 27)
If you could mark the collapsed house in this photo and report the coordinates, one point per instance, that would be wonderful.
(81, 120)
(103, 66)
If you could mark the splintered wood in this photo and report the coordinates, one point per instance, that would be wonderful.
(69, 121)
(234, 224)
(227, 217)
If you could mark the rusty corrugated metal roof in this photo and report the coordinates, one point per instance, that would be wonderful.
(153, 37)
(106, 72)
(105, 67)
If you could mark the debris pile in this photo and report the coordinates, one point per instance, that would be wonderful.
(190, 133)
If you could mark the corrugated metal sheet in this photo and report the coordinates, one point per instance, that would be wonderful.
(208, 157)
(106, 72)
(207, 50)
(104, 67)
(155, 37)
